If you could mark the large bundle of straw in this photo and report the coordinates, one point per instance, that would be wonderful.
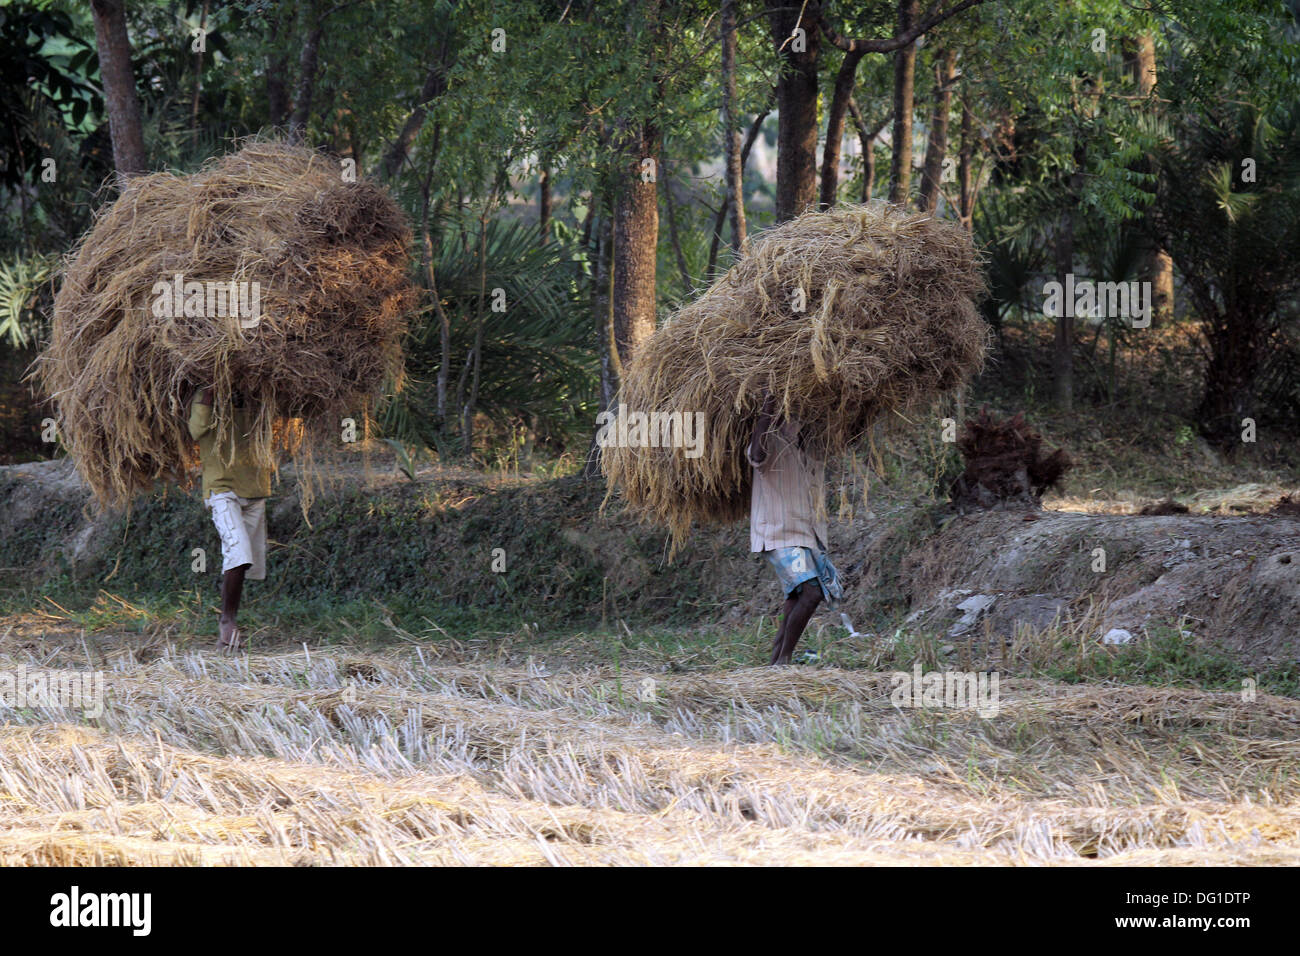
(888, 320)
(330, 259)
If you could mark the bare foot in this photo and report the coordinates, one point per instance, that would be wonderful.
(230, 641)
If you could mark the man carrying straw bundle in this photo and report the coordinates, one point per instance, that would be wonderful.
(840, 318)
(235, 489)
(787, 523)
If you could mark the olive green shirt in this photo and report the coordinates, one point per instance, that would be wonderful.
(231, 468)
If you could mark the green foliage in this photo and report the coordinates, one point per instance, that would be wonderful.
(406, 457)
(1014, 258)
(1230, 211)
(537, 365)
(25, 299)
(44, 62)
(532, 85)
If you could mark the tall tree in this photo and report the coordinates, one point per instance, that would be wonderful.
(721, 216)
(313, 30)
(1063, 340)
(277, 68)
(636, 212)
(602, 316)
(796, 37)
(965, 166)
(730, 127)
(120, 98)
(1157, 265)
(900, 166)
(544, 202)
(867, 142)
(435, 85)
(845, 79)
(840, 101)
(636, 238)
(936, 149)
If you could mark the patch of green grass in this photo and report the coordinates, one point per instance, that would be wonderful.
(564, 564)
(1169, 657)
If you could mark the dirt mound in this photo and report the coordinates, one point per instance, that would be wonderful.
(1232, 580)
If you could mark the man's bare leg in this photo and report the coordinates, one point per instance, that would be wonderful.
(797, 618)
(779, 641)
(232, 587)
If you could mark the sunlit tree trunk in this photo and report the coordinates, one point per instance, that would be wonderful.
(1157, 265)
(936, 149)
(636, 241)
(900, 168)
(730, 127)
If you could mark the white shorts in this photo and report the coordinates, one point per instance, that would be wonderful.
(241, 522)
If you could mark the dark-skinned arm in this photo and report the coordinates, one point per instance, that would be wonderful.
(758, 441)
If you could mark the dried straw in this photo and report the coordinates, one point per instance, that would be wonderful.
(888, 321)
(331, 260)
(364, 757)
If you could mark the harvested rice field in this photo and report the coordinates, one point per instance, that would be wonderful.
(458, 753)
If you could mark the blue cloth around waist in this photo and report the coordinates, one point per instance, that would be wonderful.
(794, 566)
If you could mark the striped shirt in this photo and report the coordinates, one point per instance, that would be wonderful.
(787, 508)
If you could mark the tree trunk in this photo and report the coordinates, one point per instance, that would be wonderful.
(544, 204)
(721, 216)
(1063, 345)
(602, 316)
(277, 91)
(867, 139)
(964, 162)
(730, 128)
(900, 167)
(1159, 270)
(434, 86)
(198, 77)
(431, 276)
(936, 149)
(277, 64)
(120, 100)
(796, 96)
(444, 338)
(480, 321)
(314, 27)
(636, 242)
(1157, 265)
(835, 128)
